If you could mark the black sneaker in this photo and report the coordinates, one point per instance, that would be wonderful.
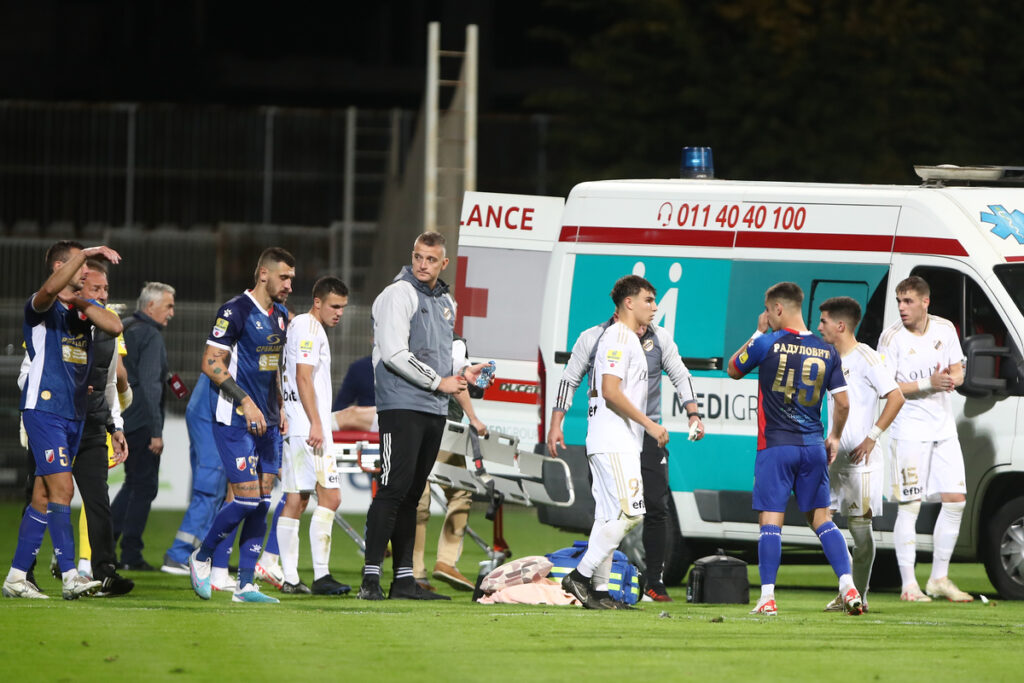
(295, 588)
(408, 589)
(578, 586)
(113, 585)
(140, 566)
(326, 585)
(370, 590)
(609, 602)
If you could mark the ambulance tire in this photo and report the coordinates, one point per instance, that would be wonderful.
(678, 553)
(1003, 549)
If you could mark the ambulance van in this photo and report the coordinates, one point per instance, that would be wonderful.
(534, 274)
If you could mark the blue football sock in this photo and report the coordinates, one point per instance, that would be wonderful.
(272, 537)
(834, 545)
(58, 520)
(769, 553)
(222, 554)
(254, 528)
(226, 521)
(30, 537)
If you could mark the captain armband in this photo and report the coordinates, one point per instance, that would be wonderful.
(230, 388)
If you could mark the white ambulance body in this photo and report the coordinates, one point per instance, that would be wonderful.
(711, 248)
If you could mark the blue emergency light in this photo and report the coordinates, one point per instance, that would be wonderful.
(697, 163)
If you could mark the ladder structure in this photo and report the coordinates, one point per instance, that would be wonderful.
(450, 135)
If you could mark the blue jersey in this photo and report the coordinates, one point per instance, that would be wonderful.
(59, 345)
(794, 371)
(255, 338)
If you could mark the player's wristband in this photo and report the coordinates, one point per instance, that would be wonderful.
(924, 384)
(875, 432)
(230, 388)
(689, 415)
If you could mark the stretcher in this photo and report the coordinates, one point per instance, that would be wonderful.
(497, 471)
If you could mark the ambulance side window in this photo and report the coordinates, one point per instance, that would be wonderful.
(870, 328)
(959, 299)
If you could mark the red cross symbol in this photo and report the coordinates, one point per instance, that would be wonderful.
(472, 300)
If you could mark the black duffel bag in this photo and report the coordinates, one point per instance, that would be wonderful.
(719, 579)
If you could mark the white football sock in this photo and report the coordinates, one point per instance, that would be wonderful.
(600, 580)
(288, 544)
(947, 529)
(905, 540)
(863, 552)
(219, 576)
(320, 540)
(767, 591)
(604, 539)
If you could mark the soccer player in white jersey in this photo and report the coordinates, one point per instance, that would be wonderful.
(615, 429)
(855, 477)
(307, 465)
(923, 353)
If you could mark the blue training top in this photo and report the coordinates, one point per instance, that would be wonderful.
(255, 339)
(59, 344)
(793, 370)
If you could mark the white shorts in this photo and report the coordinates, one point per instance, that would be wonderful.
(618, 486)
(922, 470)
(857, 489)
(302, 469)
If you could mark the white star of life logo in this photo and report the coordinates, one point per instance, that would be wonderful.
(255, 548)
(227, 313)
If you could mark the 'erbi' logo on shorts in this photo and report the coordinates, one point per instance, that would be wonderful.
(45, 395)
(49, 455)
(240, 464)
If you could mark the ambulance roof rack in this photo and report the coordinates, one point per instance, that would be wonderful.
(947, 174)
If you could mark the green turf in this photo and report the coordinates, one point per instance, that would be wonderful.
(162, 631)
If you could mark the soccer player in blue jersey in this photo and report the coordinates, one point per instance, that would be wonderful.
(58, 337)
(794, 369)
(242, 357)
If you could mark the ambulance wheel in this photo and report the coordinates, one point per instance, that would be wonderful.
(678, 554)
(1003, 550)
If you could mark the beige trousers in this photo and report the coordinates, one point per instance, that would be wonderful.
(449, 544)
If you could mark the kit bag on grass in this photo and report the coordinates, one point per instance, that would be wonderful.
(623, 583)
(719, 579)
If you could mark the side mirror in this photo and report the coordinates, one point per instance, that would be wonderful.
(980, 377)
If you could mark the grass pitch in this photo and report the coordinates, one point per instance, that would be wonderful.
(162, 631)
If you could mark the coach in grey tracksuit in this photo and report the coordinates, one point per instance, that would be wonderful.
(662, 354)
(414, 372)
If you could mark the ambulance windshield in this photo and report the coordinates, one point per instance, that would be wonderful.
(1012, 277)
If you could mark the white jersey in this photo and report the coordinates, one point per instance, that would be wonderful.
(867, 380)
(618, 353)
(909, 358)
(307, 345)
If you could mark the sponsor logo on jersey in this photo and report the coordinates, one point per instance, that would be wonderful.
(306, 345)
(911, 352)
(221, 326)
(49, 455)
(45, 395)
(259, 325)
(227, 313)
(240, 464)
(269, 362)
(613, 355)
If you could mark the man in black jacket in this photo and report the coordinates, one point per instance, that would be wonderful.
(91, 465)
(146, 363)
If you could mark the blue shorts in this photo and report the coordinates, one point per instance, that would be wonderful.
(780, 470)
(52, 439)
(246, 457)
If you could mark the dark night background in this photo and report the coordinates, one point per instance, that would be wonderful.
(781, 89)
